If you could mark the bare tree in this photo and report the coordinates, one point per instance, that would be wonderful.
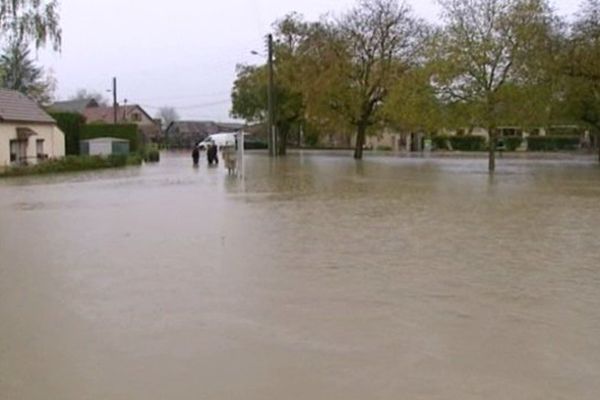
(167, 115)
(84, 94)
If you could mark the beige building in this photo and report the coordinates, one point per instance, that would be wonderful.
(27, 133)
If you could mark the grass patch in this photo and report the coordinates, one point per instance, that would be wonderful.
(73, 164)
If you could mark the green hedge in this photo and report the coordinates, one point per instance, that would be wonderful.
(511, 143)
(552, 143)
(468, 143)
(123, 131)
(440, 142)
(71, 125)
(384, 148)
(73, 164)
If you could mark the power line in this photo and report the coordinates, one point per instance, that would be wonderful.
(190, 97)
(190, 107)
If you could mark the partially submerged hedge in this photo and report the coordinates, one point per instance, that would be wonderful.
(511, 143)
(73, 164)
(459, 143)
(440, 142)
(468, 143)
(552, 143)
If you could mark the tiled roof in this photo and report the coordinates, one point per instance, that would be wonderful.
(77, 106)
(16, 107)
(106, 114)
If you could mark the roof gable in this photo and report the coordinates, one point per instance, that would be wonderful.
(16, 107)
(107, 114)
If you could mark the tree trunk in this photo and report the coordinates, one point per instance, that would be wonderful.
(282, 142)
(492, 158)
(361, 133)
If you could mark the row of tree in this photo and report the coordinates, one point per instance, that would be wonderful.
(489, 63)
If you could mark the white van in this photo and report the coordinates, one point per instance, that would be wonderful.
(219, 139)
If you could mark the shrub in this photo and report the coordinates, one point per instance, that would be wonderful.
(512, 143)
(311, 139)
(73, 164)
(467, 143)
(440, 142)
(71, 125)
(122, 131)
(384, 148)
(552, 143)
(151, 155)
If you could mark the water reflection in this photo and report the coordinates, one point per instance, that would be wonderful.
(313, 277)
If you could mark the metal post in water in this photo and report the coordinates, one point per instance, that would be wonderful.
(240, 155)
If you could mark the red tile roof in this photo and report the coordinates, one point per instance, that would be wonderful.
(106, 114)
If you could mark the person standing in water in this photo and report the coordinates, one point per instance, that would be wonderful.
(212, 154)
(196, 156)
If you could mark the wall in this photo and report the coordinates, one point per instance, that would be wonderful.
(54, 141)
(100, 147)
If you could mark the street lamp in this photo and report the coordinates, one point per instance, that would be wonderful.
(272, 137)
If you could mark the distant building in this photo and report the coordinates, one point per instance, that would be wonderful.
(27, 133)
(186, 134)
(131, 114)
(75, 106)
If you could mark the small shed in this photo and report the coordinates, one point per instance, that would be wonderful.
(105, 146)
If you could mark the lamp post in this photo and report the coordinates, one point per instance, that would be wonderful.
(271, 133)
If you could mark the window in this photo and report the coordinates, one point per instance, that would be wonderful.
(13, 150)
(18, 151)
(136, 117)
(39, 146)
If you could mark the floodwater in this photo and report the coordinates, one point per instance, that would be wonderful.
(316, 277)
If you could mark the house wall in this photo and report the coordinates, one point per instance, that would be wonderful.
(54, 141)
(143, 118)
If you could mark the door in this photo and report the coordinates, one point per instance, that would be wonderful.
(18, 151)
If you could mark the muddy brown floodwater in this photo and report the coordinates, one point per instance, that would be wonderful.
(315, 278)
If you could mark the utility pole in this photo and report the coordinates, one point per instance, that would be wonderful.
(272, 136)
(115, 105)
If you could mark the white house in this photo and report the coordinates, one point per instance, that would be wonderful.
(27, 133)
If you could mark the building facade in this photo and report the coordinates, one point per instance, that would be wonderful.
(28, 134)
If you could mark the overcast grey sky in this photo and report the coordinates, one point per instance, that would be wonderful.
(180, 53)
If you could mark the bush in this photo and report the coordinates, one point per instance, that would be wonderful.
(512, 143)
(71, 125)
(467, 143)
(440, 142)
(384, 148)
(311, 140)
(122, 131)
(552, 143)
(151, 155)
(73, 164)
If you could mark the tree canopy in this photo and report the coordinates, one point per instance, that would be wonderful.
(487, 63)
